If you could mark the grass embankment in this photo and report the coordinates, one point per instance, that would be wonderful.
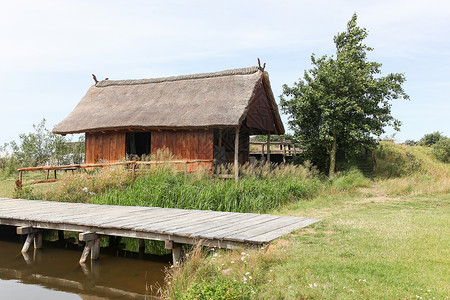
(386, 238)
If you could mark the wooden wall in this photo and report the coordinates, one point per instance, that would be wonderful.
(108, 146)
(185, 144)
(260, 115)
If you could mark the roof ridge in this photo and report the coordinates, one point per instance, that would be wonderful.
(231, 72)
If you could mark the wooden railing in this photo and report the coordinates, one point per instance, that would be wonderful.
(131, 165)
(286, 148)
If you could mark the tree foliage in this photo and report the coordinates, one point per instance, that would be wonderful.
(431, 138)
(42, 147)
(343, 101)
(441, 150)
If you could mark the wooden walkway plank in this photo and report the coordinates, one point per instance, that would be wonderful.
(274, 234)
(234, 228)
(213, 228)
(271, 225)
(188, 229)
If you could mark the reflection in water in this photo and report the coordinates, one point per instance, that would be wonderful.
(111, 277)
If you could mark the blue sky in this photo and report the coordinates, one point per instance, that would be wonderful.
(49, 49)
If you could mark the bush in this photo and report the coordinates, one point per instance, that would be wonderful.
(350, 180)
(396, 160)
(441, 150)
(217, 288)
(431, 138)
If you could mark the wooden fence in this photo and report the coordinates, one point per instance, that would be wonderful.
(182, 166)
(285, 148)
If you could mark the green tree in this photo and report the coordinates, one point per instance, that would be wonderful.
(42, 146)
(342, 102)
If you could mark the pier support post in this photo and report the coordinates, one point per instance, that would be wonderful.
(92, 245)
(33, 236)
(176, 251)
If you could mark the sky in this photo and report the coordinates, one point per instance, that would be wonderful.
(49, 49)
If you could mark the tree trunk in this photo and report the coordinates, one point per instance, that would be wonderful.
(333, 156)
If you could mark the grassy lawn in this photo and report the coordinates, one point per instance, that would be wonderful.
(382, 239)
(7, 187)
(364, 248)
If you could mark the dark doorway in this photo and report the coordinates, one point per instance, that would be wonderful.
(138, 143)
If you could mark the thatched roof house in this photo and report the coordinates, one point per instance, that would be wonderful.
(188, 114)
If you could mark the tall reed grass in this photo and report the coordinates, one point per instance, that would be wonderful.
(258, 190)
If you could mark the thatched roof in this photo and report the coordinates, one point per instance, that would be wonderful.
(205, 100)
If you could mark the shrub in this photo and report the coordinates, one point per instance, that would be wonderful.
(396, 160)
(441, 150)
(350, 180)
(431, 138)
(217, 288)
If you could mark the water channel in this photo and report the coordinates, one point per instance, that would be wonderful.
(54, 272)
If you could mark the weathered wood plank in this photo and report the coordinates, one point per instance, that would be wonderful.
(222, 229)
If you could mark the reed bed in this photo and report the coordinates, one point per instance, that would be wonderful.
(258, 190)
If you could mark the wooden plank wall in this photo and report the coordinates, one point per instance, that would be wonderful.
(228, 136)
(185, 144)
(109, 146)
(259, 115)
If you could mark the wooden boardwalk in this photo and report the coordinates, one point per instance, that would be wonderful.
(174, 226)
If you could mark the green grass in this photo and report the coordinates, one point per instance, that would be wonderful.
(373, 248)
(386, 238)
(7, 187)
(252, 193)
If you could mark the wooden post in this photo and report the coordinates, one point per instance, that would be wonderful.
(141, 246)
(86, 251)
(55, 174)
(92, 245)
(220, 137)
(38, 240)
(295, 151)
(133, 171)
(283, 149)
(33, 236)
(176, 251)
(268, 148)
(60, 235)
(20, 176)
(28, 241)
(236, 155)
(95, 251)
(263, 159)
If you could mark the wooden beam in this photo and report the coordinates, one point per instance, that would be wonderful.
(92, 245)
(27, 244)
(268, 148)
(176, 250)
(87, 236)
(26, 230)
(86, 251)
(34, 236)
(283, 148)
(236, 155)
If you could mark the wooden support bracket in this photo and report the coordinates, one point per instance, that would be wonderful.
(34, 236)
(92, 245)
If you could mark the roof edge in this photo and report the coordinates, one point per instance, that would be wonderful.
(231, 72)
